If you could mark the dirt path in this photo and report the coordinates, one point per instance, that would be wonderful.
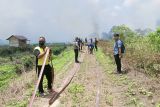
(95, 85)
(60, 80)
(130, 90)
(89, 87)
(92, 87)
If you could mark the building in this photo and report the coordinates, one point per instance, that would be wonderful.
(17, 41)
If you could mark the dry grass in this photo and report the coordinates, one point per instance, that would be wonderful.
(139, 57)
(17, 89)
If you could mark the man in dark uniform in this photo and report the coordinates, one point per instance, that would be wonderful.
(76, 49)
(95, 44)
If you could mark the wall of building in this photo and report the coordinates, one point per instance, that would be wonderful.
(22, 43)
(13, 42)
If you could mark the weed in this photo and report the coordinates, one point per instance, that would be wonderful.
(133, 101)
(158, 105)
(18, 103)
(9, 71)
(109, 99)
(76, 89)
(142, 91)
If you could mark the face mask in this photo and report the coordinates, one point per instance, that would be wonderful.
(41, 44)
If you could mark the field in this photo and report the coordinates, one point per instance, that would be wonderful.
(95, 82)
(20, 65)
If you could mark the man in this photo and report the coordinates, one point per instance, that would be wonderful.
(76, 49)
(87, 44)
(79, 43)
(86, 41)
(40, 52)
(96, 43)
(91, 46)
(118, 52)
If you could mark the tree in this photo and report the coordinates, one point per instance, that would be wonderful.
(123, 30)
(154, 38)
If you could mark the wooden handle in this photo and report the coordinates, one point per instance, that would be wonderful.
(39, 78)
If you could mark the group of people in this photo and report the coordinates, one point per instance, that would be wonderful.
(41, 50)
(118, 50)
(79, 43)
(92, 45)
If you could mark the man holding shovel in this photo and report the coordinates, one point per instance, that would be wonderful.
(40, 52)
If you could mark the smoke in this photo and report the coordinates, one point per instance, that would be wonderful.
(95, 32)
(61, 20)
(158, 23)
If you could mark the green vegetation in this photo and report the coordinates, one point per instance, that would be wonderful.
(142, 54)
(133, 92)
(10, 51)
(142, 51)
(59, 62)
(17, 104)
(62, 59)
(109, 99)
(15, 61)
(58, 48)
(158, 105)
(75, 90)
(11, 67)
(7, 73)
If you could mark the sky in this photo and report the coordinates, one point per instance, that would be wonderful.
(62, 20)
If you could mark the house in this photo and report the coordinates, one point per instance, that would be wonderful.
(17, 41)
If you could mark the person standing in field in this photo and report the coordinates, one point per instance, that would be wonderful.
(87, 44)
(40, 52)
(76, 49)
(91, 46)
(95, 44)
(86, 41)
(79, 43)
(118, 52)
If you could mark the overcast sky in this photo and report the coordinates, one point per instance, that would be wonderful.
(61, 20)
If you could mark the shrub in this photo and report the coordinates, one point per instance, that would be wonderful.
(27, 62)
(154, 38)
(58, 49)
(142, 52)
(8, 51)
(19, 69)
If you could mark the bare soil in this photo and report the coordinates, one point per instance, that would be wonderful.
(96, 85)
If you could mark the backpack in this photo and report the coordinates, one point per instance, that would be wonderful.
(91, 46)
(122, 47)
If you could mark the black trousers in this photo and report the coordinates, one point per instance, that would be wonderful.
(48, 72)
(96, 47)
(118, 63)
(76, 54)
(91, 50)
(79, 45)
